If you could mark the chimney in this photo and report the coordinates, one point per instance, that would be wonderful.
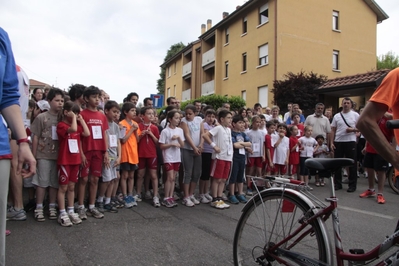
(203, 28)
(208, 24)
(225, 15)
(237, 7)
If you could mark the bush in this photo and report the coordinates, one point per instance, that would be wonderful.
(217, 101)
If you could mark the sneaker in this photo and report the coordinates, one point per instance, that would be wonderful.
(133, 201)
(194, 200)
(167, 203)
(176, 196)
(95, 213)
(249, 192)
(137, 198)
(14, 215)
(110, 208)
(225, 206)
(39, 216)
(63, 220)
(380, 199)
(217, 204)
(82, 213)
(118, 203)
(203, 199)
(148, 195)
(173, 202)
(232, 199)
(52, 214)
(208, 197)
(224, 197)
(100, 206)
(368, 193)
(74, 218)
(30, 206)
(241, 198)
(155, 201)
(128, 202)
(187, 201)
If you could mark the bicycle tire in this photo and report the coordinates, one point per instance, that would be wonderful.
(257, 220)
(392, 180)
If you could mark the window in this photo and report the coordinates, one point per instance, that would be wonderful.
(335, 60)
(226, 69)
(264, 14)
(174, 68)
(169, 71)
(263, 55)
(227, 35)
(244, 62)
(244, 25)
(168, 93)
(244, 95)
(335, 21)
(263, 95)
(174, 90)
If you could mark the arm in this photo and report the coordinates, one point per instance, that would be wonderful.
(332, 137)
(118, 159)
(187, 136)
(74, 125)
(207, 137)
(86, 131)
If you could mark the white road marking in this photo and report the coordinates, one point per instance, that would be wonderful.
(367, 212)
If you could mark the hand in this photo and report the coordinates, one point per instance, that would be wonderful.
(79, 118)
(25, 156)
(106, 160)
(84, 160)
(134, 127)
(332, 147)
(177, 145)
(117, 162)
(281, 134)
(197, 151)
(71, 114)
(174, 137)
(216, 149)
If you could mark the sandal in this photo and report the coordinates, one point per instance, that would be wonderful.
(8, 232)
(317, 184)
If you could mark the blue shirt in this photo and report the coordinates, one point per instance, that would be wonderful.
(239, 137)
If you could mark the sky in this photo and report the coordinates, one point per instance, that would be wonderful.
(119, 45)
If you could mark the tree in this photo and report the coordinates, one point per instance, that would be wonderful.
(388, 61)
(174, 49)
(298, 88)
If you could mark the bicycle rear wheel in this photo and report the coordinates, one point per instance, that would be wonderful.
(269, 218)
(392, 180)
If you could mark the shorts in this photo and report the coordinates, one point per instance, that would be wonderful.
(128, 167)
(171, 167)
(220, 169)
(293, 169)
(148, 163)
(237, 171)
(206, 166)
(28, 182)
(375, 161)
(68, 173)
(94, 164)
(109, 174)
(255, 161)
(303, 169)
(46, 174)
(280, 168)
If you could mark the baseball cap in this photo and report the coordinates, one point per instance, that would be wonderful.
(43, 105)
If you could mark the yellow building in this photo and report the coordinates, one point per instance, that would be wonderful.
(263, 40)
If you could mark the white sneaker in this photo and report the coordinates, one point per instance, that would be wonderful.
(225, 206)
(148, 195)
(203, 199)
(218, 204)
(176, 196)
(137, 198)
(224, 197)
(208, 197)
(63, 220)
(194, 200)
(155, 201)
(74, 217)
(187, 201)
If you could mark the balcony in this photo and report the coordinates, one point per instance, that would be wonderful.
(208, 88)
(187, 69)
(208, 57)
(186, 95)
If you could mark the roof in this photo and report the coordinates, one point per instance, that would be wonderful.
(381, 15)
(33, 82)
(369, 79)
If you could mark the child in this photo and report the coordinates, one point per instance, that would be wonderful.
(293, 161)
(191, 153)
(108, 179)
(148, 163)
(45, 150)
(129, 153)
(281, 145)
(207, 124)
(93, 153)
(263, 126)
(241, 145)
(295, 120)
(69, 133)
(257, 158)
(321, 151)
(222, 156)
(171, 140)
(269, 149)
(307, 144)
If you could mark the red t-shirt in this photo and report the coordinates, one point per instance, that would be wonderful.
(294, 155)
(268, 146)
(97, 123)
(65, 156)
(388, 133)
(147, 146)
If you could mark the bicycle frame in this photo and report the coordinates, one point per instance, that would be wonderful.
(324, 213)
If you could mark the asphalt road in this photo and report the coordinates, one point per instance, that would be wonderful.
(200, 235)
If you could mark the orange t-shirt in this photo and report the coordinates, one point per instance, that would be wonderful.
(388, 93)
(129, 149)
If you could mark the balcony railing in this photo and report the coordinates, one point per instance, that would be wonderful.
(208, 88)
(187, 69)
(186, 95)
(208, 57)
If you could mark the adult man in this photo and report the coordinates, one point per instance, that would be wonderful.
(343, 141)
(288, 114)
(385, 97)
(198, 107)
(148, 102)
(226, 106)
(319, 123)
(11, 112)
(133, 97)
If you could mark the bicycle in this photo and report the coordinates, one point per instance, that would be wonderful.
(285, 224)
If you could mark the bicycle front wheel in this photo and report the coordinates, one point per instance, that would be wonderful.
(392, 180)
(268, 219)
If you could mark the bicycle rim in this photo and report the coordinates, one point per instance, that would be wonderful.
(266, 222)
(392, 180)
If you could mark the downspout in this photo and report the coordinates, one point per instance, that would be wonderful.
(275, 40)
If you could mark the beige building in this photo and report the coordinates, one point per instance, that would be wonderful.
(263, 40)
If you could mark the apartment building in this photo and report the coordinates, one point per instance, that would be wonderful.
(264, 39)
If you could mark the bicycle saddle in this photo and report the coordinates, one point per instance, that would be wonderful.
(328, 164)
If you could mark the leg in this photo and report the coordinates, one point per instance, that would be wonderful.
(93, 190)
(62, 190)
(140, 178)
(82, 190)
(350, 152)
(16, 182)
(338, 153)
(5, 166)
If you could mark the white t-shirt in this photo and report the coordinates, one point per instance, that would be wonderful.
(341, 135)
(308, 145)
(280, 152)
(321, 125)
(257, 138)
(222, 138)
(194, 127)
(172, 154)
(286, 116)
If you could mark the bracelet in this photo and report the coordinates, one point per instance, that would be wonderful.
(213, 144)
(22, 141)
